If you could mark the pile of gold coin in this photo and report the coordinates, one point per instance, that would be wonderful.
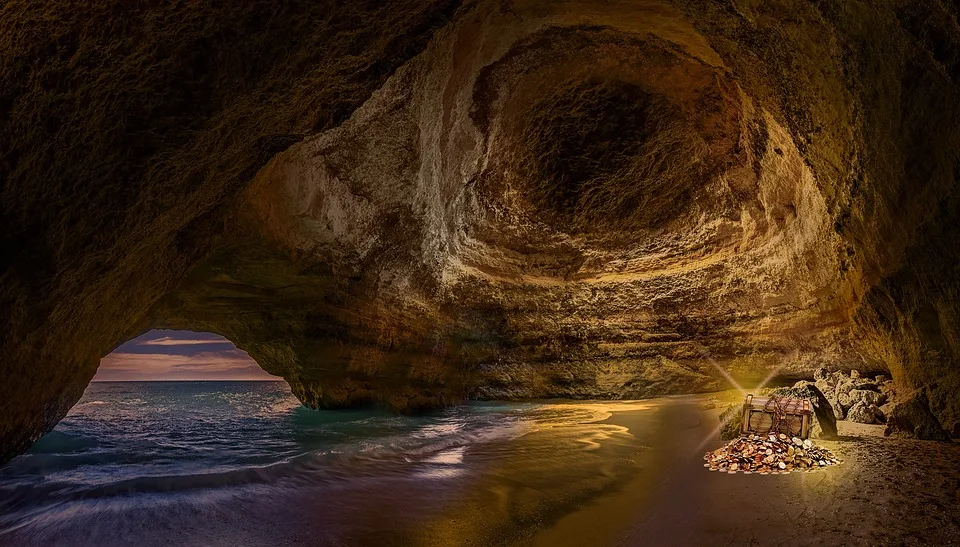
(768, 455)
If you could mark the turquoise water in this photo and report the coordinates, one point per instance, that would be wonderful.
(243, 463)
(142, 445)
(155, 432)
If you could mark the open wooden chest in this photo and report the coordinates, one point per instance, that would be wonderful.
(774, 414)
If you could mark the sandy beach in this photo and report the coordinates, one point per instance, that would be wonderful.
(886, 492)
(643, 483)
(562, 473)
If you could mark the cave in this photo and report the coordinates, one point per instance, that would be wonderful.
(178, 356)
(413, 205)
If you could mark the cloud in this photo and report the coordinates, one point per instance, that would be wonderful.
(231, 364)
(170, 341)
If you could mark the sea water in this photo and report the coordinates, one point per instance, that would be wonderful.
(244, 463)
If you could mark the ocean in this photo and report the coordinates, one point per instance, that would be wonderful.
(243, 463)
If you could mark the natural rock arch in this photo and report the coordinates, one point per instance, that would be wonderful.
(496, 199)
(179, 355)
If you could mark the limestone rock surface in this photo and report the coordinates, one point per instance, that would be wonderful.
(911, 418)
(418, 202)
(731, 420)
(864, 413)
(853, 396)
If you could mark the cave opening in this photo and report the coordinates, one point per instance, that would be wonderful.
(168, 400)
(546, 249)
(179, 355)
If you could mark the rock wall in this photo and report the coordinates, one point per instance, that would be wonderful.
(128, 129)
(415, 204)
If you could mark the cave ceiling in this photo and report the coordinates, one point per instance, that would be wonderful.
(423, 202)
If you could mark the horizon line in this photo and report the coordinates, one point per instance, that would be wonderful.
(199, 380)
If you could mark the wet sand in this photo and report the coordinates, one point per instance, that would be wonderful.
(886, 492)
(651, 488)
(580, 474)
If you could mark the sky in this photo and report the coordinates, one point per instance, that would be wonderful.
(179, 355)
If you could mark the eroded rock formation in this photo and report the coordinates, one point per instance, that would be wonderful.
(424, 202)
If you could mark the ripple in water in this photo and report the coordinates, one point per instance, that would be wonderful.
(221, 462)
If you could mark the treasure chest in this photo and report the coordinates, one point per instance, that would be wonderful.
(775, 414)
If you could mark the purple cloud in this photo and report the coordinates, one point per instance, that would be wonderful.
(178, 355)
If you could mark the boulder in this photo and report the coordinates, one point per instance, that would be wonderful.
(880, 414)
(843, 391)
(844, 388)
(864, 413)
(887, 408)
(838, 412)
(912, 418)
(889, 391)
(865, 396)
(826, 382)
(731, 420)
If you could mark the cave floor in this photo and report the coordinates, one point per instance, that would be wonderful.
(886, 492)
(565, 473)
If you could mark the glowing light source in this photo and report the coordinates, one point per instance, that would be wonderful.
(763, 383)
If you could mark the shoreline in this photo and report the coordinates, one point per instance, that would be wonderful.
(598, 473)
(675, 501)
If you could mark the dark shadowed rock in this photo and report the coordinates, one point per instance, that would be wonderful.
(845, 391)
(732, 420)
(862, 396)
(864, 413)
(911, 418)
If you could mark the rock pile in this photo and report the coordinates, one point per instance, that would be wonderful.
(768, 455)
(855, 398)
